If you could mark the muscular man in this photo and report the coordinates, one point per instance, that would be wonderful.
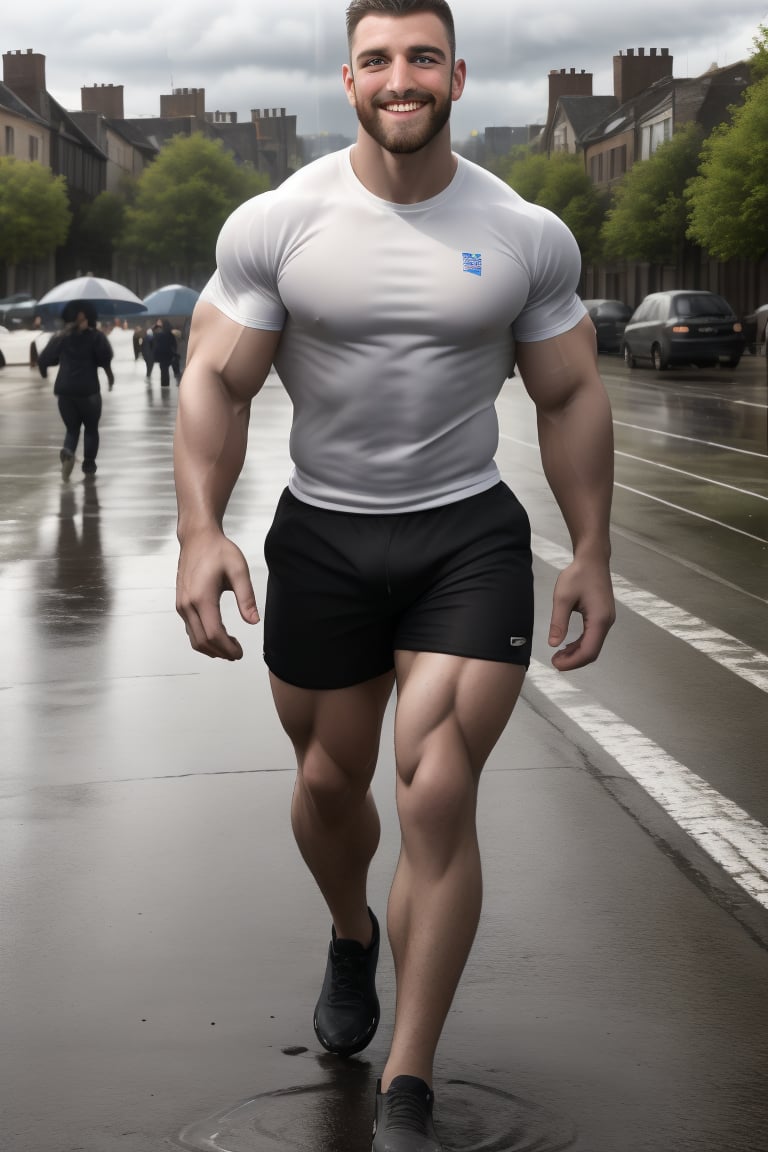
(394, 285)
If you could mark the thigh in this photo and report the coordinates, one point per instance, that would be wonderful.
(335, 731)
(90, 411)
(69, 412)
(327, 623)
(451, 711)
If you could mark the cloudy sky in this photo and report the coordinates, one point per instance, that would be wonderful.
(266, 53)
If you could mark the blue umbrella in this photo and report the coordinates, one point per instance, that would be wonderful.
(171, 300)
(106, 297)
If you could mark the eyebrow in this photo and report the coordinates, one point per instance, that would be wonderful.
(415, 50)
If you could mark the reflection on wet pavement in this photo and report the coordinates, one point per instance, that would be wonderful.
(336, 1116)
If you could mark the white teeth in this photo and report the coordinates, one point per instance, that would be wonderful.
(402, 107)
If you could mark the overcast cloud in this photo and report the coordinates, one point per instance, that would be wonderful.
(264, 55)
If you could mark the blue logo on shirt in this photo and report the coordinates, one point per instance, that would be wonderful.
(472, 262)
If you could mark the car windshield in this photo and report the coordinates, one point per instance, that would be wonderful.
(704, 305)
(614, 310)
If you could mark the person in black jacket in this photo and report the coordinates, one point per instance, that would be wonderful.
(165, 351)
(80, 350)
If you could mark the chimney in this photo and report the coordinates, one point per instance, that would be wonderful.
(633, 73)
(24, 74)
(567, 83)
(104, 100)
(183, 102)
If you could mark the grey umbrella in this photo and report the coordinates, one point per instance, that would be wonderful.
(106, 297)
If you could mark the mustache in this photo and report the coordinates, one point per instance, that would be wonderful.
(405, 98)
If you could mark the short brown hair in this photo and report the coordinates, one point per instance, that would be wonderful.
(358, 9)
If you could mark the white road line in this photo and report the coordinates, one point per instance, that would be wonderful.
(739, 658)
(690, 512)
(737, 842)
(689, 439)
(691, 475)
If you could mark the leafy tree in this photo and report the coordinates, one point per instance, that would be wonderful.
(34, 211)
(728, 199)
(648, 217)
(181, 202)
(758, 62)
(559, 182)
(101, 230)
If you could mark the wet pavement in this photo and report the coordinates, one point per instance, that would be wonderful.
(162, 942)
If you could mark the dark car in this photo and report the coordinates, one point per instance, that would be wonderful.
(609, 318)
(683, 327)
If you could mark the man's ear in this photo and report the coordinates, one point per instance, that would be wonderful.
(349, 83)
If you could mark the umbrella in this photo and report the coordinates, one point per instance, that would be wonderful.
(106, 296)
(171, 300)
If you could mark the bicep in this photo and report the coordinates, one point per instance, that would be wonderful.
(240, 356)
(552, 370)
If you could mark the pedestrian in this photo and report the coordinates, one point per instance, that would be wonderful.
(80, 350)
(397, 557)
(146, 351)
(138, 337)
(165, 351)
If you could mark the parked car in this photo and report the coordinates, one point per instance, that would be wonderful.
(755, 330)
(609, 318)
(17, 310)
(683, 326)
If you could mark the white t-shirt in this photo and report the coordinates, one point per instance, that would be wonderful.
(399, 324)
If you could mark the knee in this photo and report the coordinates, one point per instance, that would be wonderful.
(326, 787)
(437, 800)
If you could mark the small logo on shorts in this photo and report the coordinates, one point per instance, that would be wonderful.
(472, 262)
(517, 641)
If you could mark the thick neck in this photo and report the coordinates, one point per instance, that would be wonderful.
(404, 178)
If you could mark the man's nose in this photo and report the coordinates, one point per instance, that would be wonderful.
(400, 75)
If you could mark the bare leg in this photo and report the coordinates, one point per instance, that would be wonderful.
(450, 714)
(336, 737)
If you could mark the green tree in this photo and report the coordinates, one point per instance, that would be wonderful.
(649, 215)
(728, 199)
(181, 202)
(559, 182)
(101, 231)
(34, 212)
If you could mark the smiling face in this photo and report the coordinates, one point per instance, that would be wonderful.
(402, 79)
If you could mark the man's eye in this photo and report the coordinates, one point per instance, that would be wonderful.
(374, 62)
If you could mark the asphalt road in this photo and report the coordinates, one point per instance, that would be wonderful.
(162, 945)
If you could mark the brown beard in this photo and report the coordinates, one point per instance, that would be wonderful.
(406, 139)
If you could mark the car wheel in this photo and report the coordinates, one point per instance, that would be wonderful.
(629, 359)
(659, 362)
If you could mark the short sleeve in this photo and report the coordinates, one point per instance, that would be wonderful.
(553, 306)
(244, 285)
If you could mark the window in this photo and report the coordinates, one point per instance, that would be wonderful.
(34, 148)
(10, 143)
(656, 133)
(618, 161)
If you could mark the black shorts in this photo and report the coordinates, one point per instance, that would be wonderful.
(346, 590)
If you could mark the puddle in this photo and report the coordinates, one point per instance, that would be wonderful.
(338, 1117)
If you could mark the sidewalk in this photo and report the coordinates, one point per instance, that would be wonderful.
(163, 944)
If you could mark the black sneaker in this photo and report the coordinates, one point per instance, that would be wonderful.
(89, 467)
(67, 459)
(403, 1121)
(347, 1013)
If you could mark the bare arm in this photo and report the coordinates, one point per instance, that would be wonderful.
(226, 367)
(576, 442)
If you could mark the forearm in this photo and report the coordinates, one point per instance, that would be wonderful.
(576, 442)
(209, 449)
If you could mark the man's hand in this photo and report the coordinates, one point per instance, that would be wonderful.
(209, 564)
(583, 587)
